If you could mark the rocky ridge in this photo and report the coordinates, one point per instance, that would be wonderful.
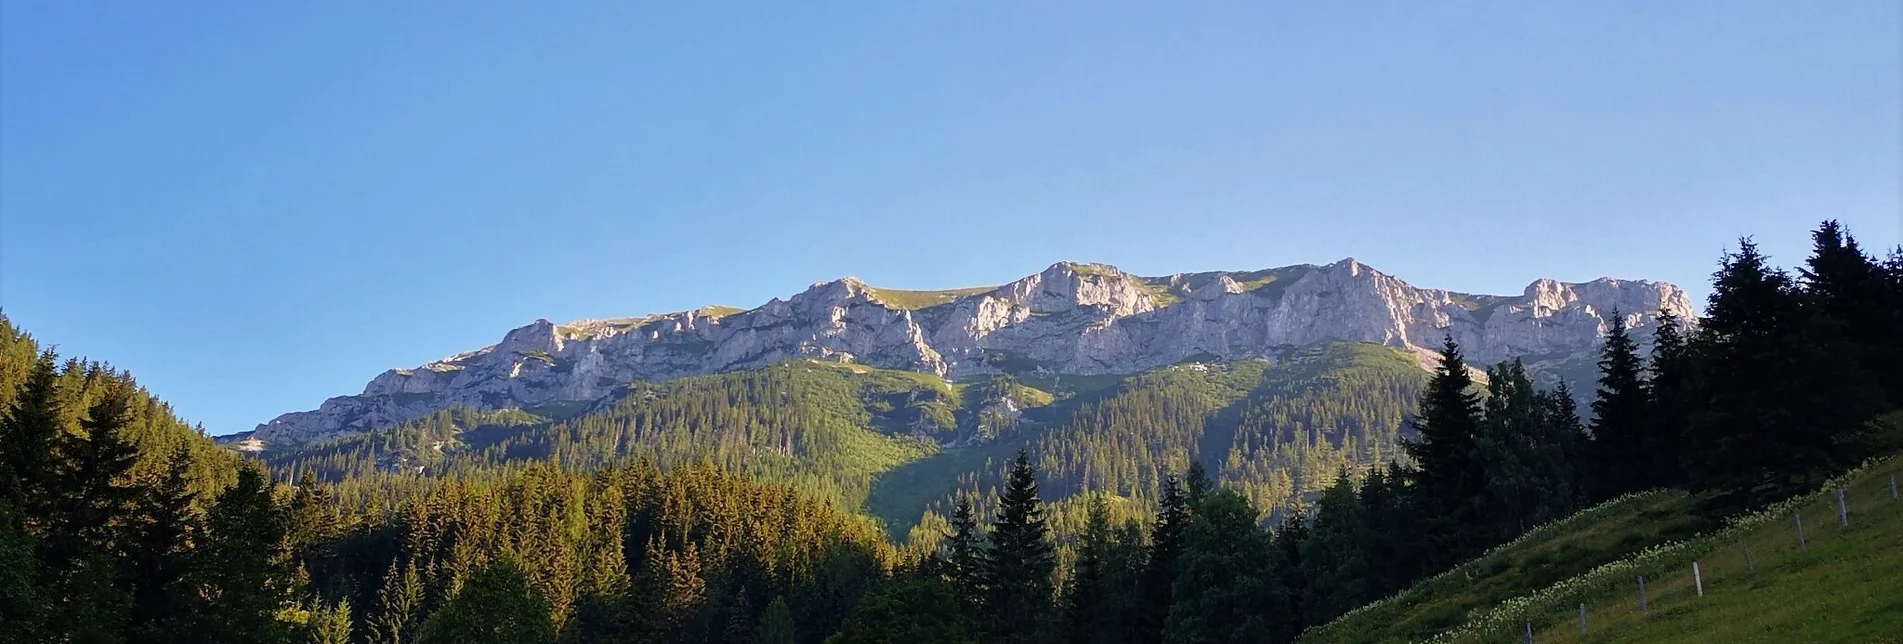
(1072, 318)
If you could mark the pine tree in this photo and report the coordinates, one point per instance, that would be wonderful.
(1449, 482)
(1019, 561)
(1621, 416)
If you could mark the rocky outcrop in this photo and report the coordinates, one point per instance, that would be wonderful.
(1069, 318)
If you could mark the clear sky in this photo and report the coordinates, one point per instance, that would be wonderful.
(257, 205)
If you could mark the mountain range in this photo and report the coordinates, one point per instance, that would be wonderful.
(1072, 318)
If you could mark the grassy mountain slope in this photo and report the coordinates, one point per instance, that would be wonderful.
(1840, 589)
(897, 443)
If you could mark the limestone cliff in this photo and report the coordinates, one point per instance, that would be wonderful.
(1070, 318)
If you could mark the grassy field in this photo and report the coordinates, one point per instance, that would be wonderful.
(914, 300)
(1541, 557)
(1845, 586)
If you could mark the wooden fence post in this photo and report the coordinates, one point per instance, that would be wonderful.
(1799, 517)
(1843, 511)
(1698, 579)
(1642, 607)
(1528, 637)
(1582, 618)
(1747, 553)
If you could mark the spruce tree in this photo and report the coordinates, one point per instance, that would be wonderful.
(1289, 589)
(1449, 482)
(1334, 562)
(243, 572)
(776, 624)
(1197, 483)
(399, 606)
(1086, 607)
(495, 606)
(964, 556)
(1166, 547)
(1783, 389)
(1019, 561)
(1621, 416)
(1227, 585)
(160, 557)
(1851, 287)
(1674, 380)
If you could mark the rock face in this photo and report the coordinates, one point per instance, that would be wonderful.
(1070, 318)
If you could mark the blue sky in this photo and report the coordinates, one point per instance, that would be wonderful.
(255, 206)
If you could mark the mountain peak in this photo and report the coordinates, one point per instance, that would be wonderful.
(1074, 317)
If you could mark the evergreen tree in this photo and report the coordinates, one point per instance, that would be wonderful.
(1197, 482)
(1783, 389)
(1621, 417)
(1226, 587)
(1527, 445)
(1019, 561)
(1167, 540)
(1086, 610)
(20, 595)
(1449, 482)
(1852, 288)
(160, 557)
(907, 612)
(1289, 590)
(776, 624)
(400, 604)
(330, 623)
(495, 606)
(243, 572)
(964, 556)
(1385, 537)
(1674, 382)
(32, 442)
(1334, 561)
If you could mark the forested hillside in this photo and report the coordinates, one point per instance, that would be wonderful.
(727, 508)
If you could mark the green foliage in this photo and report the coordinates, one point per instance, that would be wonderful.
(915, 300)
(907, 612)
(1544, 555)
(1450, 483)
(495, 606)
(776, 624)
(1019, 561)
(1621, 417)
(1226, 588)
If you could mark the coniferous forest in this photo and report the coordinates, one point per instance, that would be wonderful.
(120, 522)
